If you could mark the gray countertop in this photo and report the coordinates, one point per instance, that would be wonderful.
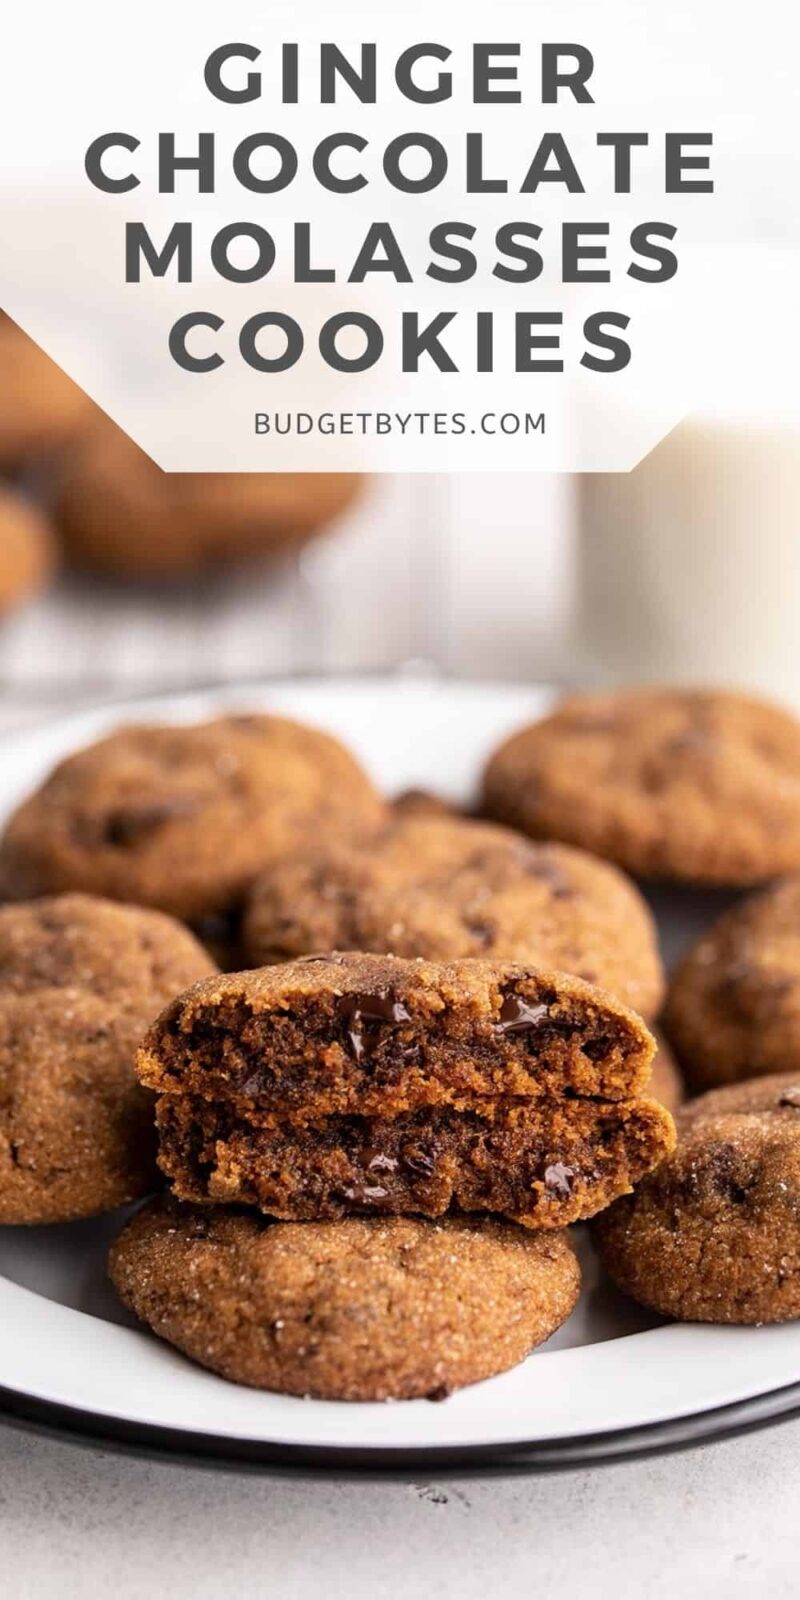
(719, 1522)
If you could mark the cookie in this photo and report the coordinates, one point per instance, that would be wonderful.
(354, 1084)
(443, 888)
(544, 1165)
(423, 803)
(377, 1309)
(733, 1010)
(27, 555)
(118, 513)
(714, 1234)
(666, 1083)
(675, 784)
(76, 1130)
(136, 958)
(183, 818)
(41, 409)
(79, 982)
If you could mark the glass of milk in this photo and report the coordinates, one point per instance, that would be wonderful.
(689, 567)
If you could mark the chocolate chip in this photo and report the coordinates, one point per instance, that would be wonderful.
(382, 1163)
(519, 1016)
(439, 1394)
(559, 1179)
(128, 825)
(366, 1194)
(790, 1097)
(365, 1015)
(419, 1161)
(538, 865)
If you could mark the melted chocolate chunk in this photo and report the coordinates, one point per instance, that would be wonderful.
(366, 1194)
(517, 1015)
(790, 1097)
(365, 1015)
(382, 1163)
(559, 1179)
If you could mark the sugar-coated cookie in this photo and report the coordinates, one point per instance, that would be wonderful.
(378, 1309)
(79, 981)
(713, 1235)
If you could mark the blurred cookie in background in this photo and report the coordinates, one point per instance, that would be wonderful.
(666, 1084)
(27, 549)
(429, 883)
(184, 818)
(41, 408)
(687, 786)
(424, 803)
(119, 514)
(733, 1010)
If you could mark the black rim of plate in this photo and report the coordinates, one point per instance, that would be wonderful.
(528, 1456)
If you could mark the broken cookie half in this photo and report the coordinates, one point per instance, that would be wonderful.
(360, 1084)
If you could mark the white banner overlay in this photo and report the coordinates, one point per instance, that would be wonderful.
(506, 238)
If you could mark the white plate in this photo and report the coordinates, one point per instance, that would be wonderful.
(613, 1381)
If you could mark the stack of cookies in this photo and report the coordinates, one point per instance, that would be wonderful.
(430, 1054)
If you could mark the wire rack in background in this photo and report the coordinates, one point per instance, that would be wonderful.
(468, 576)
